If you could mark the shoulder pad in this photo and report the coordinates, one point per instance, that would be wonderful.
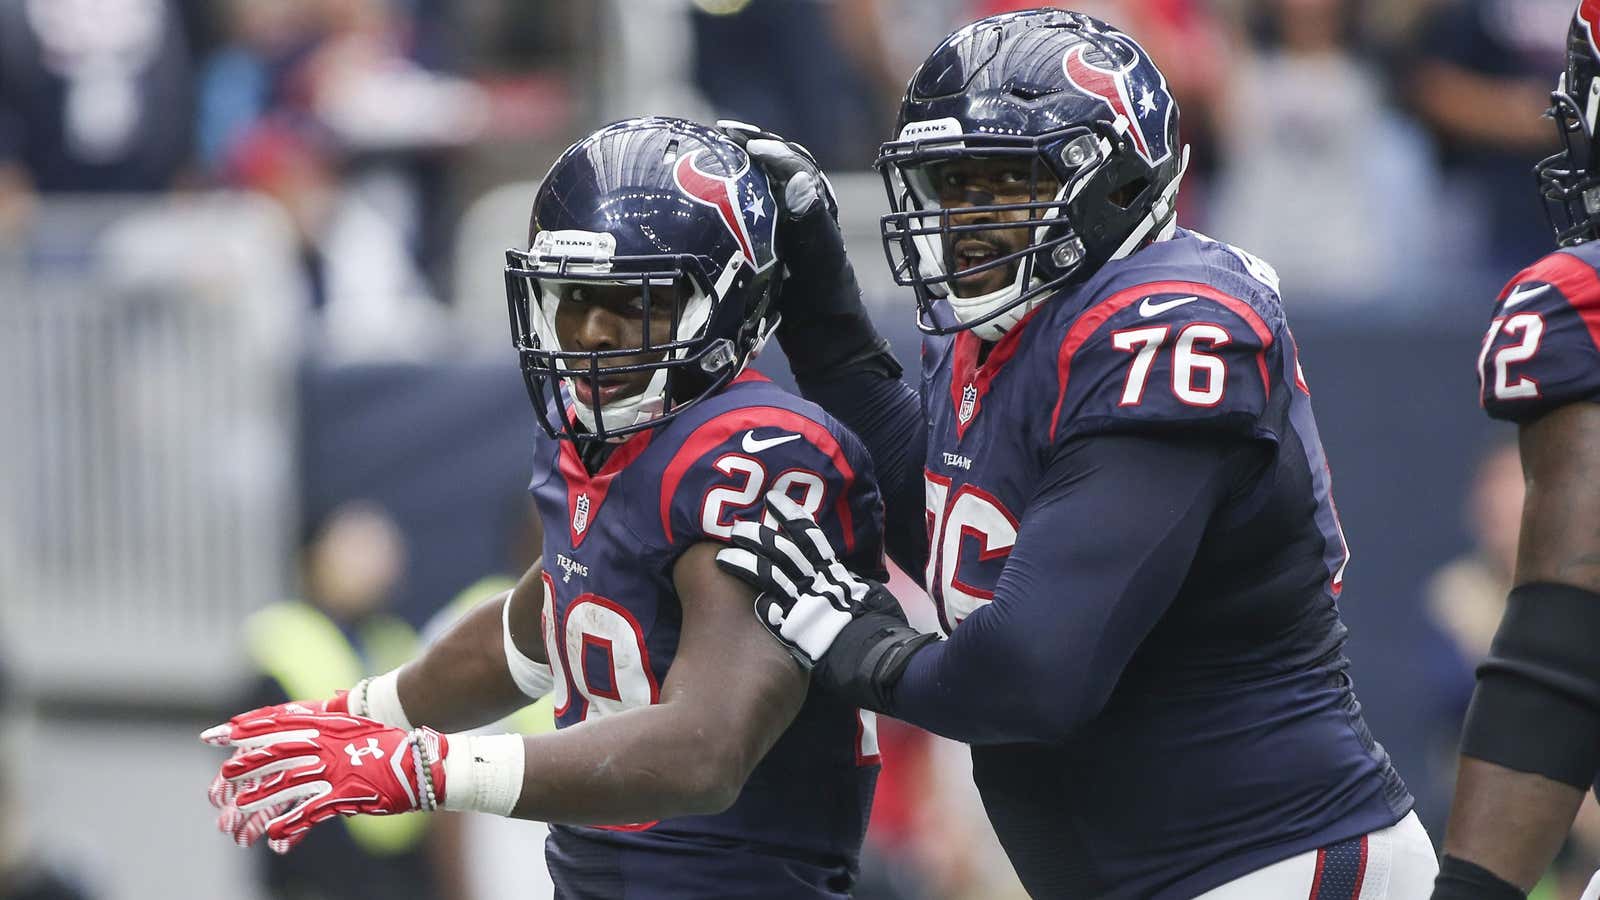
(1542, 347)
(721, 470)
(1167, 355)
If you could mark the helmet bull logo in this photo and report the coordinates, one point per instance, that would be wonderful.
(722, 194)
(1147, 114)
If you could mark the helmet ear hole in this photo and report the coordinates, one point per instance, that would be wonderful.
(1128, 194)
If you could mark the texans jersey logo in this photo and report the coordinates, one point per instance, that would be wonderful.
(722, 193)
(1138, 96)
(1589, 17)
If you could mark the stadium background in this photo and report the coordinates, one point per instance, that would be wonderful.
(249, 286)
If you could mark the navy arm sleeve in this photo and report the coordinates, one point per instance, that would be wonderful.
(886, 413)
(1105, 544)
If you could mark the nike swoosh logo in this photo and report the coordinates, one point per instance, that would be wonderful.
(1148, 308)
(753, 444)
(1523, 293)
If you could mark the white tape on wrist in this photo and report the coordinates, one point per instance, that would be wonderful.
(483, 773)
(383, 701)
(533, 678)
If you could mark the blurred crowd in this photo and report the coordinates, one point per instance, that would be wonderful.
(1355, 144)
(349, 114)
(1377, 152)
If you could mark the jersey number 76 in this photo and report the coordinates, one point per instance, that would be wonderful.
(1197, 377)
(971, 513)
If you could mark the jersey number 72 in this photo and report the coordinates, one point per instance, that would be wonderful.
(1530, 326)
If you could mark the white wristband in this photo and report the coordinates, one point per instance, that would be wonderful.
(533, 678)
(483, 773)
(381, 700)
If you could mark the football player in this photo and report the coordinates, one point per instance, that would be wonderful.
(690, 760)
(1531, 743)
(1112, 482)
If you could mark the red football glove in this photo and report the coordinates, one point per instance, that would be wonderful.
(247, 829)
(219, 735)
(292, 770)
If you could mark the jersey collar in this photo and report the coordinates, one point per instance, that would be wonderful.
(969, 381)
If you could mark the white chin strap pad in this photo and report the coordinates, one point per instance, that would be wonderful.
(627, 412)
(969, 308)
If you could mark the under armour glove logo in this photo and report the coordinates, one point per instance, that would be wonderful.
(371, 749)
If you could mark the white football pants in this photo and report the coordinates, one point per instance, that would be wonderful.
(1395, 863)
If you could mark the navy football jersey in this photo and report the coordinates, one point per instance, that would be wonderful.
(1232, 739)
(1542, 349)
(611, 627)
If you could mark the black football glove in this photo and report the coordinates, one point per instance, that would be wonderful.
(848, 630)
(825, 330)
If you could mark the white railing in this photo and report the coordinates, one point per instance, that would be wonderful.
(146, 467)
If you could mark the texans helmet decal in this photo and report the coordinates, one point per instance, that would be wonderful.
(721, 192)
(1146, 106)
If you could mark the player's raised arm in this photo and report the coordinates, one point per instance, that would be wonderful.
(839, 360)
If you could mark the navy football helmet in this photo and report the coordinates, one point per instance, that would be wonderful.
(1069, 96)
(1569, 181)
(651, 203)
